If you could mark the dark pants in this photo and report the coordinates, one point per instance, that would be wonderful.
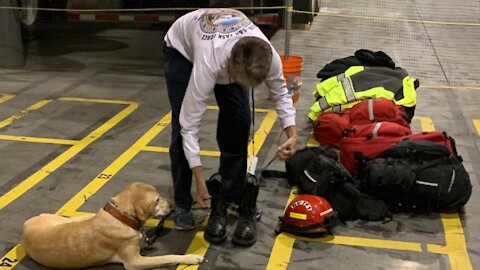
(233, 129)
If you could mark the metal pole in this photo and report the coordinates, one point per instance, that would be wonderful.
(288, 26)
(11, 44)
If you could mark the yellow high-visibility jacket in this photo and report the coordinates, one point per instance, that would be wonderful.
(362, 82)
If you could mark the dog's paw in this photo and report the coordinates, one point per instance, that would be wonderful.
(192, 259)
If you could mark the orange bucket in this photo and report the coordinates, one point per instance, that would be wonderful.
(292, 68)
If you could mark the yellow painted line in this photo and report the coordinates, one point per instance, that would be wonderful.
(261, 134)
(455, 245)
(23, 113)
(79, 199)
(426, 123)
(312, 142)
(156, 149)
(283, 245)
(198, 246)
(257, 110)
(37, 140)
(168, 224)
(452, 87)
(385, 18)
(366, 242)
(165, 150)
(12, 257)
(5, 97)
(53, 165)
(111, 101)
(476, 122)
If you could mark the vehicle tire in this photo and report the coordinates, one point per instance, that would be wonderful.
(29, 18)
(316, 8)
(303, 5)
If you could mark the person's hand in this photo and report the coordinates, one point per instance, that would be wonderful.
(289, 147)
(202, 197)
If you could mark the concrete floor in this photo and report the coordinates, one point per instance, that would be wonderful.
(80, 115)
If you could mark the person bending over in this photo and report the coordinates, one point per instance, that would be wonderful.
(220, 50)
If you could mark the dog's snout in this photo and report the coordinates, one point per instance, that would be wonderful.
(171, 204)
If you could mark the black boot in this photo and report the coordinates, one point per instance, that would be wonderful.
(246, 231)
(217, 222)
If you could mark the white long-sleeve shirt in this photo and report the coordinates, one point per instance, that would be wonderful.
(206, 37)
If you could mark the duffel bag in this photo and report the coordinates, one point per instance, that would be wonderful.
(378, 110)
(417, 176)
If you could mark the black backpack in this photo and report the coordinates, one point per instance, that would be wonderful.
(296, 164)
(322, 175)
(417, 176)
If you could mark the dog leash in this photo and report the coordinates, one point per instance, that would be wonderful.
(150, 236)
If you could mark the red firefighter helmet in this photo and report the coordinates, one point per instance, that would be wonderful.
(308, 215)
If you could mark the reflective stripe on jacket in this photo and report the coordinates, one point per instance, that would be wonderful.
(359, 82)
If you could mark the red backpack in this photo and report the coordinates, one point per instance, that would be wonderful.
(378, 110)
(330, 127)
(356, 149)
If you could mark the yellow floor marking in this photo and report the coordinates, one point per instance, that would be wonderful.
(165, 150)
(455, 244)
(257, 110)
(53, 165)
(12, 257)
(283, 245)
(23, 113)
(455, 247)
(426, 123)
(97, 100)
(262, 132)
(79, 199)
(5, 97)
(366, 242)
(198, 246)
(312, 142)
(37, 140)
(476, 122)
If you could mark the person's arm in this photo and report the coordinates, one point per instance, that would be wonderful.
(193, 107)
(284, 106)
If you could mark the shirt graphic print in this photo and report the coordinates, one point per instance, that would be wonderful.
(223, 24)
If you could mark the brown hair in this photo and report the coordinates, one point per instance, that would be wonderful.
(250, 60)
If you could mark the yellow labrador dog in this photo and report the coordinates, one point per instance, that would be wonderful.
(110, 236)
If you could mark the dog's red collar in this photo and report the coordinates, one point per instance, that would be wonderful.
(132, 223)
